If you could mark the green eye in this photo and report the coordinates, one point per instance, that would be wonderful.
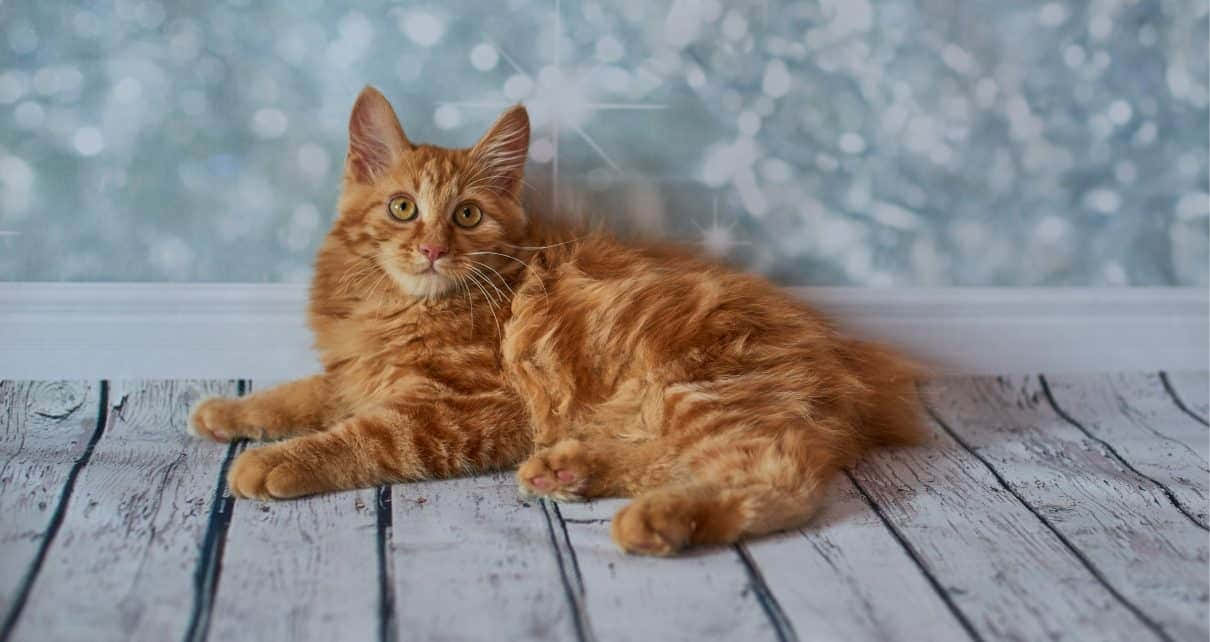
(402, 208)
(468, 215)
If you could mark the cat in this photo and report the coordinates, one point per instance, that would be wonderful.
(460, 333)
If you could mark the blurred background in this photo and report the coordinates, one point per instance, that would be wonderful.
(822, 142)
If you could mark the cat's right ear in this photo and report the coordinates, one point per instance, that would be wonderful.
(376, 139)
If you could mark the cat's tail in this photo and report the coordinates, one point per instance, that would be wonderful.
(890, 413)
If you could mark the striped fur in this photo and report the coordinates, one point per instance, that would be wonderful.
(715, 400)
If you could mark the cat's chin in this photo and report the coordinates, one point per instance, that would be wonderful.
(426, 285)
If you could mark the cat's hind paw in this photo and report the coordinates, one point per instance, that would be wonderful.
(210, 419)
(561, 472)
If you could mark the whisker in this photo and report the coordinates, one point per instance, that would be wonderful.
(490, 307)
(507, 256)
(374, 288)
(490, 282)
(546, 293)
(502, 279)
(470, 305)
(541, 247)
(475, 278)
(353, 275)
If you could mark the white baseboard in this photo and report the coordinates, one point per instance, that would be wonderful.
(167, 330)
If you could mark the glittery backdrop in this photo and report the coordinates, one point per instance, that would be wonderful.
(916, 142)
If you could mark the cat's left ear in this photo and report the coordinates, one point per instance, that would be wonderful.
(500, 155)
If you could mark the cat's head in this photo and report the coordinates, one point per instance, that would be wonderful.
(431, 217)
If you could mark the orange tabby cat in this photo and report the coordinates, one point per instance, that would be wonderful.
(459, 334)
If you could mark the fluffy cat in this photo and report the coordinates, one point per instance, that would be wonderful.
(459, 334)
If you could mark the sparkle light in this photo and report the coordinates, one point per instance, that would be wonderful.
(718, 239)
(558, 100)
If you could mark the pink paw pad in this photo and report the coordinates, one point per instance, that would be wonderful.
(565, 475)
(540, 482)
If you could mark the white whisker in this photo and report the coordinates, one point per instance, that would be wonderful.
(545, 292)
(502, 279)
(470, 305)
(541, 247)
(490, 306)
(489, 282)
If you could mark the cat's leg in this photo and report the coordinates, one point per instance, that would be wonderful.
(749, 491)
(401, 442)
(293, 408)
(575, 470)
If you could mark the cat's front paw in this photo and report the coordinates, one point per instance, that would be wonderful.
(562, 472)
(266, 473)
(212, 418)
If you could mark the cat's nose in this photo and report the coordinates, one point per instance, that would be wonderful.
(434, 252)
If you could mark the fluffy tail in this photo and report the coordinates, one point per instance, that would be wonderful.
(891, 415)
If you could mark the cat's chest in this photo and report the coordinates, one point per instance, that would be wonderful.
(377, 356)
(402, 337)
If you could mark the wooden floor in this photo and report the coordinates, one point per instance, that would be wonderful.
(1043, 507)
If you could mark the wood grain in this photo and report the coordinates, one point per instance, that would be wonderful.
(1192, 389)
(845, 577)
(1122, 524)
(1136, 418)
(1009, 574)
(123, 562)
(301, 570)
(704, 595)
(472, 561)
(44, 427)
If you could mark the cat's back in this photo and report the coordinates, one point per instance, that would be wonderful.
(613, 298)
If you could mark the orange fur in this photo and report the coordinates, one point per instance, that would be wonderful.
(720, 403)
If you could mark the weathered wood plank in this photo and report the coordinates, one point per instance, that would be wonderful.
(1135, 417)
(845, 577)
(1009, 574)
(705, 595)
(1122, 524)
(45, 427)
(122, 565)
(471, 561)
(1191, 389)
(299, 570)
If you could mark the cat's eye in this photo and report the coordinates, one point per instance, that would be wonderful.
(468, 215)
(402, 208)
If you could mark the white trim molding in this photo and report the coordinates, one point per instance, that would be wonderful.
(220, 330)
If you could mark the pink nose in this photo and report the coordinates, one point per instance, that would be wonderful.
(434, 252)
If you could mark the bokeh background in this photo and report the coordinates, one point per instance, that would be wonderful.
(823, 142)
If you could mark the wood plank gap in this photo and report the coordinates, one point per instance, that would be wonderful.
(387, 628)
(575, 561)
(764, 595)
(56, 520)
(912, 553)
(1050, 398)
(573, 584)
(1067, 543)
(210, 563)
(1179, 402)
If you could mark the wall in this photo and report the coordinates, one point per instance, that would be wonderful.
(914, 142)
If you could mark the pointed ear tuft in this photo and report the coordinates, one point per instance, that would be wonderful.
(376, 140)
(500, 155)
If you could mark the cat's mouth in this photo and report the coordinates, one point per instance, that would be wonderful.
(428, 281)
